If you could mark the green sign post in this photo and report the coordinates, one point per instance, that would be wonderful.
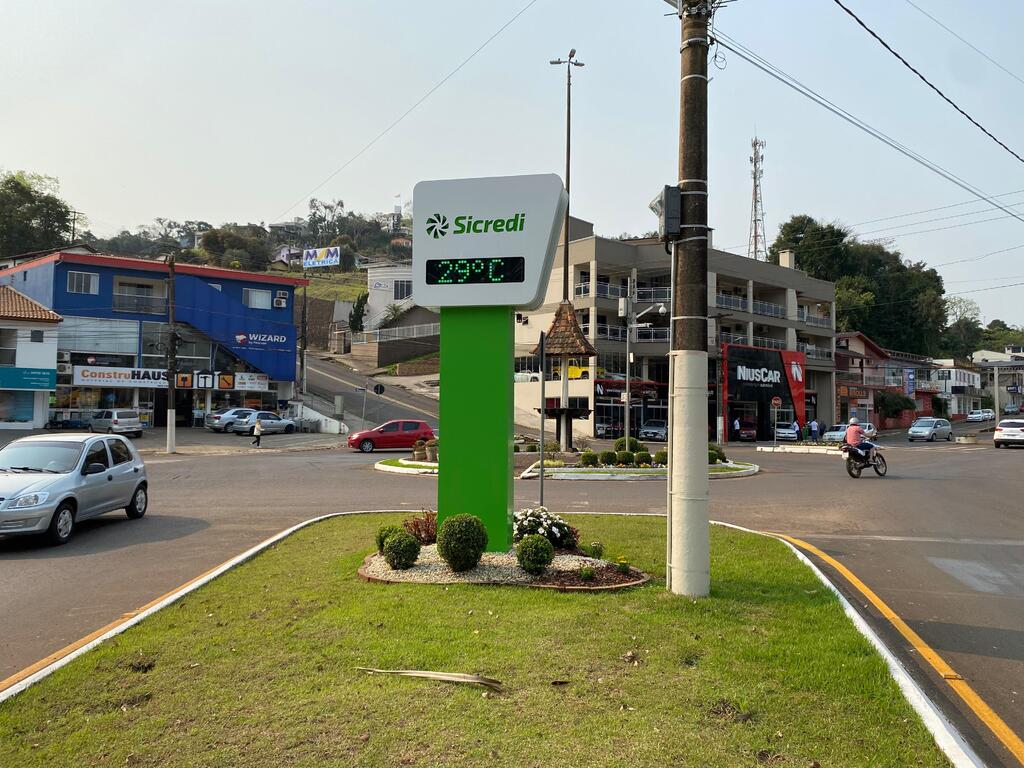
(483, 248)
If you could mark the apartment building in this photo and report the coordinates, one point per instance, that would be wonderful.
(761, 316)
(959, 384)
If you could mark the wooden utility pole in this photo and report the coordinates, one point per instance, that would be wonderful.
(172, 359)
(689, 541)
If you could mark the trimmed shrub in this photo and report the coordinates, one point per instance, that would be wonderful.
(461, 540)
(588, 459)
(718, 450)
(539, 520)
(385, 532)
(554, 463)
(515, 448)
(625, 457)
(401, 550)
(587, 573)
(608, 458)
(634, 445)
(531, 448)
(551, 446)
(642, 457)
(423, 526)
(712, 457)
(534, 553)
(661, 457)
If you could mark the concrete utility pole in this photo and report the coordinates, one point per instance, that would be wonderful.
(543, 414)
(172, 359)
(689, 544)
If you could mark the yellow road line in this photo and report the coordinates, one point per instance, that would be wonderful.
(967, 694)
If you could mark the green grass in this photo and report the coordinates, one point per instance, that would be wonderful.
(336, 286)
(258, 669)
(409, 464)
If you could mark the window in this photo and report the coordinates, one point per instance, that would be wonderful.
(255, 299)
(392, 427)
(97, 455)
(403, 289)
(83, 282)
(942, 375)
(119, 451)
(36, 336)
(410, 426)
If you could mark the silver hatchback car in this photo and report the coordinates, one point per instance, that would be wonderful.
(50, 483)
(124, 421)
(270, 422)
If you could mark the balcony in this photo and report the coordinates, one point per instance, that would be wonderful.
(724, 337)
(604, 290)
(7, 356)
(849, 377)
(139, 303)
(605, 331)
(816, 320)
(652, 334)
(817, 353)
(652, 295)
(767, 343)
(769, 309)
(725, 301)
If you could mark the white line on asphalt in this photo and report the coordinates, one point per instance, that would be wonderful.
(915, 539)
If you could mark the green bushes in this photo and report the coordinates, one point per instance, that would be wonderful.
(712, 457)
(384, 533)
(625, 457)
(718, 451)
(661, 457)
(422, 526)
(642, 457)
(594, 549)
(634, 445)
(534, 553)
(551, 446)
(401, 550)
(608, 458)
(539, 520)
(515, 448)
(588, 459)
(531, 448)
(461, 540)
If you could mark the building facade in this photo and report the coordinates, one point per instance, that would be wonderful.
(236, 335)
(28, 360)
(959, 384)
(768, 315)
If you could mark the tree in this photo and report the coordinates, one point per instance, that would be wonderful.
(355, 315)
(32, 216)
(854, 298)
(998, 335)
(964, 334)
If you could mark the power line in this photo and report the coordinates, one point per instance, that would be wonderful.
(968, 43)
(925, 80)
(407, 112)
(915, 298)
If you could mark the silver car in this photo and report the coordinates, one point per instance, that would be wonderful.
(123, 421)
(50, 483)
(654, 429)
(930, 429)
(270, 421)
(224, 419)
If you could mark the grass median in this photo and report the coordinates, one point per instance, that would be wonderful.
(258, 669)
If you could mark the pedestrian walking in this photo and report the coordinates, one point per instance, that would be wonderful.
(796, 428)
(814, 430)
(736, 429)
(257, 432)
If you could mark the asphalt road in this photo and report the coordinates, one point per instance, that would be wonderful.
(941, 540)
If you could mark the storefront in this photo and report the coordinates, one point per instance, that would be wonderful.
(24, 395)
(753, 377)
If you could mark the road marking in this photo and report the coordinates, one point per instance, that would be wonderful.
(391, 400)
(920, 539)
(961, 687)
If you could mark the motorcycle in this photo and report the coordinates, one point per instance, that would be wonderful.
(857, 461)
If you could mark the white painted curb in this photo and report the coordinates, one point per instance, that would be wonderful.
(412, 469)
(946, 736)
(822, 449)
(572, 473)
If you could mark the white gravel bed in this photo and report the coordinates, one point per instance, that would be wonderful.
(494, 568)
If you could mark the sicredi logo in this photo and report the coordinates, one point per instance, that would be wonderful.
(437, 225)
(762, 375)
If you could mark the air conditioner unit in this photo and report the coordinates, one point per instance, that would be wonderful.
(65, 368)
(63, 357)
(281, 303)
(282, 294)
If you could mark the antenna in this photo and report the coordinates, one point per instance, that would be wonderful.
(757, 248)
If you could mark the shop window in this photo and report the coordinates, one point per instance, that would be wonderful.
(403, 289)
(83, 282)
(16, 406)
(256, 299)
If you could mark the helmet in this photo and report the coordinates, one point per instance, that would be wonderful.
(854, 420)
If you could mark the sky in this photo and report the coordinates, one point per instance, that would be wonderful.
(226, 110)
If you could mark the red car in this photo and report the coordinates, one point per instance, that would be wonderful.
(400, 433)
(748, 431)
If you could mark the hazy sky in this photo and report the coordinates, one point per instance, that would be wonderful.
(236, 111)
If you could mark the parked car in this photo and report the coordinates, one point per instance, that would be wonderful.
(748, 431)
(834, 434)
(270, 421)
(784, 431)
(655, 429)
(976, 416)
(224, 419)
(1011, 410)
(50, 483)
(870, 430)
(525, 376)
(400, 433)
(930, 429)
(123, 422)
(1008, 432)
(990, 415)
(606, 429)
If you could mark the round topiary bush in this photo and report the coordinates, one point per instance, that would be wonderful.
(712, 457)
(661, 457)
(625, 457)
(461, 540)
(588, 459)
(608, 458)
(384, 533)
(634, 445)
(718, 450)
(534, 554)
(401, 550)
(642, 457)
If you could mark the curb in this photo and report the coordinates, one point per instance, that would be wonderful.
(237, 451)
(380, 466)
(821, 449)
(567, 473)
(946, 736)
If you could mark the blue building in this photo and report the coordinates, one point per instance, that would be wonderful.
(237, 335)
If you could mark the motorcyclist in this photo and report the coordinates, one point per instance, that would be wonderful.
(856, 439)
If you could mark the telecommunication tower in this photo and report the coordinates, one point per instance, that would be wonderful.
(756, 245)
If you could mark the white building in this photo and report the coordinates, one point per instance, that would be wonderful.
(28, 360)
(959, 385)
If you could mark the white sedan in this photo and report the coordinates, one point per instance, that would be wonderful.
(1009, 432)
(837, 432)
(976, 416)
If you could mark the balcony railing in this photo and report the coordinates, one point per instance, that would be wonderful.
(817, 322)
(652, 334)
(651, 295)
(816, 352)
(849, 377)
(768, 343)
(604, 290)
(7, 356)
(605, 331)
(139, 303)
(724, 337)
(725, 301)
(396, 334)
(769, 309)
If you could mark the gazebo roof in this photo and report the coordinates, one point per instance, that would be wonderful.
(565, 337)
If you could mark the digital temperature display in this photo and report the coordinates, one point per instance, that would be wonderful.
(506, 269)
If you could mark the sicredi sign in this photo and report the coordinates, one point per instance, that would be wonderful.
(485, 242)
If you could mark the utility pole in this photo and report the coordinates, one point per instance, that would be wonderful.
(689, 540)
(74, 224)
(543, 414)
(172, 358)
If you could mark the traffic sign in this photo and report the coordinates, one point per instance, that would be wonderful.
(378, 389)
(776, 402)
